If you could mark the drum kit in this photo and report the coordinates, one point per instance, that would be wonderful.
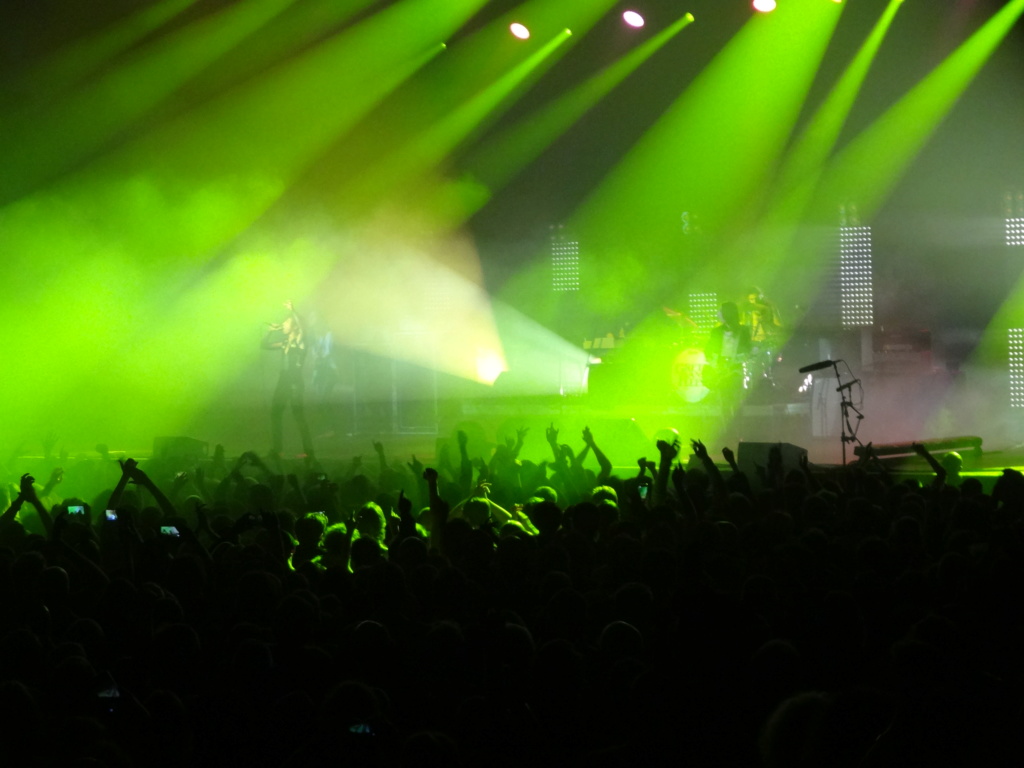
(693, 378)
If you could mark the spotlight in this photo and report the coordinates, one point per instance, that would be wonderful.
(633, 19)
(519, 31)
(764, 6)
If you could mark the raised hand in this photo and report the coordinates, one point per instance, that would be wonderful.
(668, 450)
(404, 504)
(416, 466)
(551, 434)
(588, 436)
(699, 449)
(27, 487)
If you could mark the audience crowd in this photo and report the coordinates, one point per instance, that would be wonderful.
(491, 610)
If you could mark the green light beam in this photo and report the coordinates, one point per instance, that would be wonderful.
(792, 193)
(299, 26)
(431, 146)
(803, 165)
(131, 230)
(229, 162)
(869, 168)
(35, 148)
(84, 58)
(501, 158)
(452, 84)
(710, 154)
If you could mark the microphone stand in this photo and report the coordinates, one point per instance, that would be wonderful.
(848, 433)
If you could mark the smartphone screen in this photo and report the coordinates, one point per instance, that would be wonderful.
(169, 530)
(76, 509)
(111, 514)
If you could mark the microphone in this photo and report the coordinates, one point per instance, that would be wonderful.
(817, 366)
(847, 385)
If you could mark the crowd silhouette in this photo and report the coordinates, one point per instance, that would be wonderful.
(490, 610)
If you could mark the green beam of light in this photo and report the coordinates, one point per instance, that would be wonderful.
(226, 164)
(134, 234)
(709, 154)
(868, 169)
(429, 148)
(780, 232)
(36, 147)
(803, 165)
(84, 58)
(299, 26)
(463, 82)
(473, 63)
(498, 161)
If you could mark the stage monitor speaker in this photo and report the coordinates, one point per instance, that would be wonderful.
(751, 454)
(180, 448)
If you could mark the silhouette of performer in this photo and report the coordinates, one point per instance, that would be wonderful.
(727, 351)
(287, 339)
(762, 317)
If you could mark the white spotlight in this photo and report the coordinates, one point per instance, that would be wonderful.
(633, 19)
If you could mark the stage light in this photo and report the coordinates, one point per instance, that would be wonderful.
(633, 19)
(856, 294)
(764, 6)
(565, 262)
(1016, 364)
(519, 31)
